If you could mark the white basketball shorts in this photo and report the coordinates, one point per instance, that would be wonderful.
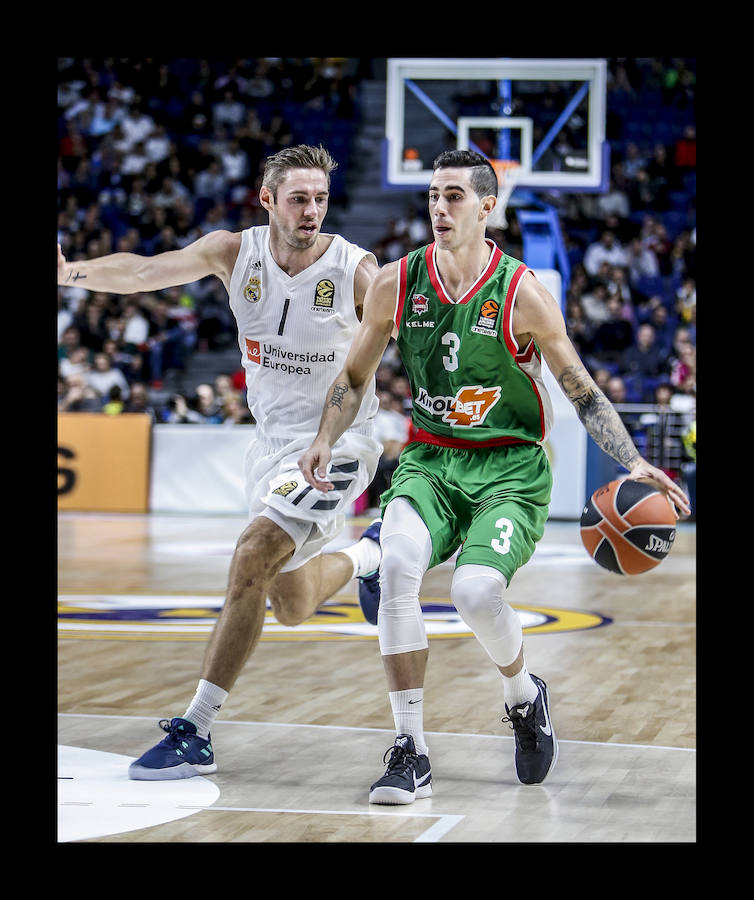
(275, 487)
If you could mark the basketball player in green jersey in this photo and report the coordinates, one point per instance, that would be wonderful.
(472, 326)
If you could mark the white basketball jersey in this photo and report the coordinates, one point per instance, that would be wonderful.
(294, 333)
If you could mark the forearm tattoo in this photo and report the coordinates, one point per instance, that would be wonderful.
(598, 415)
(338, 393)
(75, 276)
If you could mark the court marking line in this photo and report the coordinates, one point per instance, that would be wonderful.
(445, 822)
(494, 737)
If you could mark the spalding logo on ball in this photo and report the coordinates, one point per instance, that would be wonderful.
(628, 527)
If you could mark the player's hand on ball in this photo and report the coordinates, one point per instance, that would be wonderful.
(646, 472)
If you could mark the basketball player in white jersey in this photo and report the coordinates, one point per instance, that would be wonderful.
(297, 296)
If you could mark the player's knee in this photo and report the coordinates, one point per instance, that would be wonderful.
(477, 594)
(261, 549)
(289, 608)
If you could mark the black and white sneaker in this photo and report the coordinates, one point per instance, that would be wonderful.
(408, 776)
(536, 745)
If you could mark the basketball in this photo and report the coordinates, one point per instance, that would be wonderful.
(628, 527)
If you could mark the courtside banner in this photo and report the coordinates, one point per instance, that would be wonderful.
(103, 462)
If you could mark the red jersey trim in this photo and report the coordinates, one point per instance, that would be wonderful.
(521, 360)
(401, 299)
(510, 296)
(426, 437)
(526, 355)
(434, 275)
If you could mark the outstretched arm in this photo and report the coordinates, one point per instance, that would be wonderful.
(128, 273)
(347, 391)
(537, 314)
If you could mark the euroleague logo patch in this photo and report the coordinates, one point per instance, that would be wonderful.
(324, 296)
(192, 618)
(486, 323)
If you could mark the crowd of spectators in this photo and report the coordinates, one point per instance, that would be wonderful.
(152, 154)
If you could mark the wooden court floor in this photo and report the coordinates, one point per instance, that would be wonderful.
(303, 733)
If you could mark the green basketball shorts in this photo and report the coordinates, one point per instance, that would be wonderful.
(493, 502)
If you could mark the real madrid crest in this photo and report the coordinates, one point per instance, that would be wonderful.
(253, 290)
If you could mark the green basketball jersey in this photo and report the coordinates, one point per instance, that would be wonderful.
(471, 384)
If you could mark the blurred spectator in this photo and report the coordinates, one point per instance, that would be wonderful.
(177, 412)
(661, 177)
(78, 396)
(235, 411)
(594, 304)
(135, 324)
(235, 162)
(114, 404)
(91, 325)
(76, 362)
(206, 404)
(683, 369)
(686, 301)
(229, 111)
(641, 262)
(633, 161)
(103, 376)
(613, 336)
(580, 329)
(606, 249)
(616, 389)
(136, 126)
(157, 145)
(654, 236)
(685, 151)
(645, 358)
(614, 202)
(165, 344)
(138, 401)
(601, 377)
(211, 183)
(663, 323)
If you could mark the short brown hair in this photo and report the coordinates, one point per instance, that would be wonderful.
(302, 156)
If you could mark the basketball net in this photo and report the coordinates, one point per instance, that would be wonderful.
(508, 172)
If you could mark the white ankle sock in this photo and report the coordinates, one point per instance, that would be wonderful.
(408, 715)
(519, 689)
(365, 555)
(205, 706)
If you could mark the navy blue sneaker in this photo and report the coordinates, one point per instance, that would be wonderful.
(536, 750)
(369, 585)
(182, 754)
(408, 776)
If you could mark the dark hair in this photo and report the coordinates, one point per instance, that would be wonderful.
(483, 178)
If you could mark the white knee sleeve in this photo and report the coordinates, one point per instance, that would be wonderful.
(477, 594)
(406, 550)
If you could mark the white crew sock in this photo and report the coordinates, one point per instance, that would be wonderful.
(365, 555)
(205, 706)
(408, 715)
(519, 689)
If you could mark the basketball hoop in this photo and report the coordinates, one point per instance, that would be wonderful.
(508, 174)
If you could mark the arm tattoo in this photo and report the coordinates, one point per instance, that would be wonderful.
(74, 276)
(598, 415)
(338, 393)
